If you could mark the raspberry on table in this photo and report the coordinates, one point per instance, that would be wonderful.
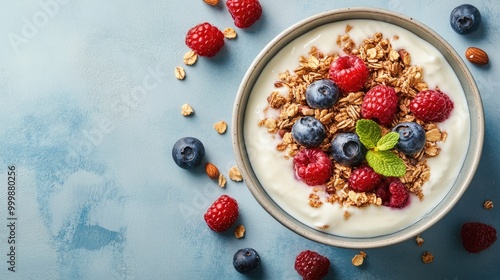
(311, 265)
(349, 73)
(222, 214)
(380, 104)
(244, 12)
(364, 179)
(477, 237)
(205, 39)
(431, 105)
(312, 166)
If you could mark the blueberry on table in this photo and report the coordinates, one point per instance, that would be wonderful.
(308, 131)
(246, 260)
(347, 149)
(188, 152)
(322, 94)
(465, 19)
(411, 137)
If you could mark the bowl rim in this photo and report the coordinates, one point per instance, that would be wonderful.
(467, 170)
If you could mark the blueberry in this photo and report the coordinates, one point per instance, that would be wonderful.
(411, 138)
(188, 152)
(322, 94)
(347, 149)
(308, 131)
(246, 260)
(465, 19)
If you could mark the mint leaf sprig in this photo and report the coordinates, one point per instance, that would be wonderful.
(379, 155)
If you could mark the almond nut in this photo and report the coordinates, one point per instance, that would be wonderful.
(211, 2)
(476, 56)
(212, 171)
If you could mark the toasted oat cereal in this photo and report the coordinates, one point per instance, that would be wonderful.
(229, 33)
(190, 58)
(239, 232)
(187, 110)
(388, 66)
(220, 127)
(222, 181)
(488, 204)
(235, 174)
(358, 259)
(180, 74)
(427, 257)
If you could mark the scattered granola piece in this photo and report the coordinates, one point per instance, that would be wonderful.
(427, 257)
(230, 33)
(346, 215)
(187, 110)
(180, 74)
(488, 204)
(239, 232)
(190, 58)
(235, 174)
(314, 201)
(222, 181)
(419, 240)
(211, 2)
(220, 127)
(359, 258)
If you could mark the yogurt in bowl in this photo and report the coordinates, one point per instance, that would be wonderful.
(311, 211)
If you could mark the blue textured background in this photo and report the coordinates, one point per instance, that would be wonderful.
(90, 109)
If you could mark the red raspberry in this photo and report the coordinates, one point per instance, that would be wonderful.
(311, 265)
(364, 179)
(431, 105)
(400, 197)
(313, 166)
(393, 193)
(477, 237)
(244, 12)
(222, 214)
(205, 39)
(349, 73)
(380, 104)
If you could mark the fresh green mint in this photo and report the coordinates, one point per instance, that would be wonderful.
(379, 155)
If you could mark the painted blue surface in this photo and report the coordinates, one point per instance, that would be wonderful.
(90, 109)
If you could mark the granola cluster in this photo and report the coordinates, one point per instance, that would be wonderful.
(387, 66)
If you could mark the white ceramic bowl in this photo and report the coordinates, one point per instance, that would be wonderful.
(453, 195)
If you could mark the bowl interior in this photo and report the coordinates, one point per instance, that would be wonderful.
(471, 94)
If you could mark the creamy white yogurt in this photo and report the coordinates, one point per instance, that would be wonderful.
(276, 173)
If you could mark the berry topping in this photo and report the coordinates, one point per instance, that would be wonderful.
(311, 265)
(477, 237)
(246, 260)
(188, 152)
(205, 39)
(308, 131)
(393, 193)
(465, 19)
(349, 73)
(411, 137)
(312, 166)
(222, 214)
(380, 104)
(244, 12)
(431, 105)
(322, 94)
(347, 149)
(364, 179)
